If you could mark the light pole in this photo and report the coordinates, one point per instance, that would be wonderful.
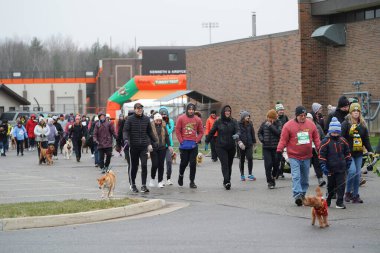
(210, 25)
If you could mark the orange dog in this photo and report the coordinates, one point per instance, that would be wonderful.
(47, 154)
(174, 158)
(107, 181)
(319, 208)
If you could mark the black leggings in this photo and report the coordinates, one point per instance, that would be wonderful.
(158, 160)
(226, 157)
(271, 163)
(20, 146)
(188, 156)
(248, 152)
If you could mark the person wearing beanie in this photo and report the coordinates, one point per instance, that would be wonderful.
(209, 123)
(335, 160)
(77, 133)
(355, 130)
(169, 125)
(269, 135)
(317, 111)
(41, 131)
(340, 112)
(158, 154)
(104, 132)
(297, 136)
(280, 109)
(189, 132)
(225, 144)
(247, 136)
(137, 133)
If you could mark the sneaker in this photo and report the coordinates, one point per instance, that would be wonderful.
(271, 185)
(144, 189)
(251, 178)
(362, 181)
(22, 154)
(357, 200)
(227, 186)
(103, 170)
(78, 159)
(92, 156)
(298, 201)
(152, 183)
(96, 165)
(161, 184)
(33, 148)
(193, 185)
(107, 169)
(348, 196)
(134, 188)
(169, 182)
(214, 160)
(55, 157)
(321, 182)
(341, 206)
(30, 149)
(180, 180)
(242, 178)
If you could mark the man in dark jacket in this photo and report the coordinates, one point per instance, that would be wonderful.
(340, 112)
(228, 133)
(247, 136)
(78, 133)
(103, 133)
(137, 132)
(3, 137)
(57, 137)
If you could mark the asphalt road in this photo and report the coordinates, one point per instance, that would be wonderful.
(249, 218)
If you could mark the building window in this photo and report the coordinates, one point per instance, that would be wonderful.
(173, 57)
(26, 108)
(378, 13)
(12, 108)
(369, 14)
(359, 15)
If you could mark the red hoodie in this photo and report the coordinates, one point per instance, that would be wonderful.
(289, 139)
(189, 128)
(30, 125)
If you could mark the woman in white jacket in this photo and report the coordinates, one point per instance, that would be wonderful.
(41, 131)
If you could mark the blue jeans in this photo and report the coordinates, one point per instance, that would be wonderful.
(353, 177)
(2, 147)
(300, 176)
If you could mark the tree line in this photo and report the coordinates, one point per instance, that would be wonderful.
(56, 54)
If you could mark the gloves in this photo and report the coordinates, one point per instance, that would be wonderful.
(241, 145)
(206, 146)
(150, 148)
(235, 136)
(324, 169)
(171, 149)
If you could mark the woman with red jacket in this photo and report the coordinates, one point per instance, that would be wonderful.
(30, 125)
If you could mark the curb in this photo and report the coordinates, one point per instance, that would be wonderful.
(8, 224)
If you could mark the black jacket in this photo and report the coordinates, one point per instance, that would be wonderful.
(270, 135)
(226, 127)
(76, 132)
(3, 131)
(247, 134)
(59, 128)
(340, 115)
(335, 153)
(362, 131)
(138, 131)
(283, 119)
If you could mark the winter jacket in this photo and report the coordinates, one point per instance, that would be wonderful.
(247, 132)
(137, 131)
(52, 133)
(189, 128)
(269, 135)
(170, 127)
(30, 125)
(41, 132)
(226, 127)
(334, 154)
(119, 139)
(162, 137)
(283, 119)
(289, 139)
(103, 132)
(19, 133)
(77, 132)
(3, 131)
(360, 130)
(209, 123)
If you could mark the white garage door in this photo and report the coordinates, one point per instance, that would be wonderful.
(65, 104)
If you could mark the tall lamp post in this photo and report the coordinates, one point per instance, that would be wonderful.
(210, 25)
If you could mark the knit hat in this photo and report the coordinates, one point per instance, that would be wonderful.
(343, 101)
(272, 114)
(279, 107)
(157, 116)
(101, 113)
(138, 105)
(334, 126)
(309, 116)
(213, 112)
(355, 106)
(243, 114)
(315, 107)
(163, 111)
(300, 109)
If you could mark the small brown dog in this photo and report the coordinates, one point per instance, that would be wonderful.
(84, 146)
(13, 143)
(174, 158)
(319, 208)
(107, 181)
(199, 159)
(47, 154)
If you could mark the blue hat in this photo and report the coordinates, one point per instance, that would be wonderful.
(334, 126)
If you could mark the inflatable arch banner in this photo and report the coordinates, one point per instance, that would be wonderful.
(145, 87)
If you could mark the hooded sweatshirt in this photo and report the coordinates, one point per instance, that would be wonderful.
(226, 127)
(189, 127)
(52, 131)
(169, 123)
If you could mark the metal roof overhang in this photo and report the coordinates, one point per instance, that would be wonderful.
(199, 97)
(331, 34)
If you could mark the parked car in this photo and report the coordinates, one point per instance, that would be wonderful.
(11, 116)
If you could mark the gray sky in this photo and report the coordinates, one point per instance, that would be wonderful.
(151, 22)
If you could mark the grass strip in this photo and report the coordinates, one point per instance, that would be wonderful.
(26, 209)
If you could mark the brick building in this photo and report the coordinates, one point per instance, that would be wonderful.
(293, 67)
